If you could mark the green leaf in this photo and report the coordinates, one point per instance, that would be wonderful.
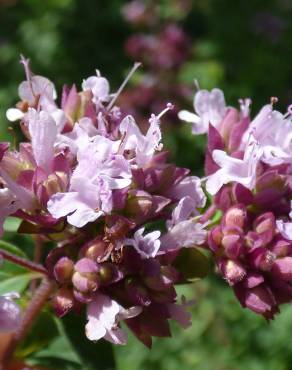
(17, 283)
(192, 263)
(11, 248)
(94, 356)
(59, 352)
(11, 224)
(43, 332)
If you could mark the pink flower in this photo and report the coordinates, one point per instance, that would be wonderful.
(189, 187)
(99, 171)
(104, 315)
(43, 132)
(273, 131)
(144, 147)
(184, 209)
(37, 86)
(233, 169)
(184, 230)
(146, 245)
(36, 89)
(79, 138)
(99, 87)
(210, 108)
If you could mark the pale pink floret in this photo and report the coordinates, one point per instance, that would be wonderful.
(35, 88)
(273, 131)
(190, 187)
(43, 133)
(233, 169)
(99, 171)
(144, 146)
(210, 108)
(79, 138)
(184, 230)
(99, 87)
(146, 245)
(104, 315)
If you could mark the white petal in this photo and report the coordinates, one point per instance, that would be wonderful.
(187, 116)
(94, 329)
(14, 114)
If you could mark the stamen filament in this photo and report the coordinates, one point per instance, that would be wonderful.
(121, 88)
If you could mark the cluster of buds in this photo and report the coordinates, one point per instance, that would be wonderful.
(88, 179)
(248, 173)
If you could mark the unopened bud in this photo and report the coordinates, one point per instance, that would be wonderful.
(233, 245)
(63, 301)
(261, 258)
(232, 271)
(235, 217)
(282, 268)
(82, 297)
(85, 278)
(95, 249)
(83, 283)
(214, 238)
(109, 273)
(63, 270)
(265, 226)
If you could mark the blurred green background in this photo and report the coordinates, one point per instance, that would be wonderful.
(243, 47)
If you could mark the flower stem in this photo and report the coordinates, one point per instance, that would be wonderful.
(23, 262)
(34, 308)
(208, 214)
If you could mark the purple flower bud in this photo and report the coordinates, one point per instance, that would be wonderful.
(241, 194)
(63, 270)
(85, 278)
(86, 266)
(282, 268)
(235, 217)
(282, 248)
(253, 279)
(84, 284)
(63, 301)
(215, 238)
(265, 226)
(232, 271)
(259, 299)
(261, 258)
(109, 273)
(95, 250)
(233, 245)
(83, 297)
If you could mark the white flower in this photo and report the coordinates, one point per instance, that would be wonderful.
(210, 107)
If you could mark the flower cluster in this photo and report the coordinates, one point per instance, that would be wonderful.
(163, 50)
(248, 173)
(88, 179)
(122, 219)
